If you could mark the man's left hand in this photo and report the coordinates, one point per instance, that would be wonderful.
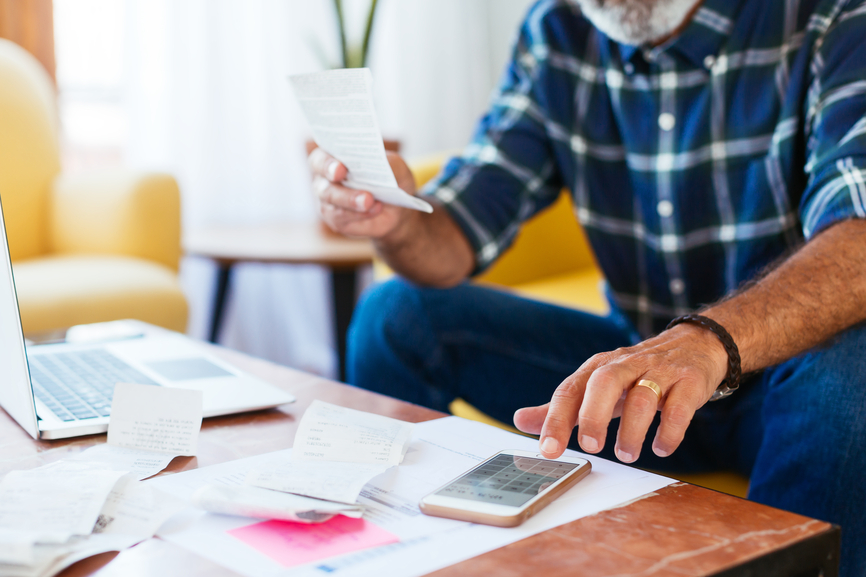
(687, 362)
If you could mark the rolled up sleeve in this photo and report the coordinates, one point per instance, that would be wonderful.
(836, 126)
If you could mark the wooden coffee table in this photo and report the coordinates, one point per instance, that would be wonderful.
(676, 531)
(285, 243)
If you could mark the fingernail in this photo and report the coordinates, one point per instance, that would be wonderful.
(359, 202)
(661, 452)
(624, 457)
(549, 445)
(589, 443)
(332, 170)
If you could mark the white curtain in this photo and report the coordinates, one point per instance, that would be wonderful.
(207, 100)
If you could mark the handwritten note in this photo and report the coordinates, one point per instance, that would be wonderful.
(154, 418)
(331, 433)
(338, 105)
(291, 544)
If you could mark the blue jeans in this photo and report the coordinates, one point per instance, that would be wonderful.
(798, 430)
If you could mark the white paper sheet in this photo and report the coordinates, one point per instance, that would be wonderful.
(16, 546)
(338, 105)
(329, 480)
(440, 450)
(141, 464)
(95, 491)
(136, 509)
(153, 418)
(331, 433)
(56, 501)
(258, 503)
(51, 559)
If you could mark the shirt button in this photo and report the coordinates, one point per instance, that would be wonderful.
(649, 56)
(628, 68)
(665, 208)
(709, 61)
(667, 121)
(677, 286)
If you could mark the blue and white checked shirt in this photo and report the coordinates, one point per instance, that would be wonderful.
(692, 165)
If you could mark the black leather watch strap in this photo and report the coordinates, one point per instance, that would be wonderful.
(732, 380)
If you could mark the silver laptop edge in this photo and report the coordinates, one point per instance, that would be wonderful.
(16, 391)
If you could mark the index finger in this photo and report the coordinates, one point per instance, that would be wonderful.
(326, 166)
(561, 417)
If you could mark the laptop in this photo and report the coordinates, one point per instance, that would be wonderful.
(56, 391)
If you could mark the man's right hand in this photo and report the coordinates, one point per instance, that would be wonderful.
(355, 212)
(428, 249)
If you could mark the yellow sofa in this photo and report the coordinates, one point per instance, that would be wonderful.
(567, 276)
(86, 248)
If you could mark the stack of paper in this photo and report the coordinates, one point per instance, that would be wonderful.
(393, 537)
(55, 515)
(336, 452)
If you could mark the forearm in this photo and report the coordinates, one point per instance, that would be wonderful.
(817, 292)
(429, 249)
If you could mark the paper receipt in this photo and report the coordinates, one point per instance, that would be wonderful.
(338, 105)
(155, 418)
(331, 433)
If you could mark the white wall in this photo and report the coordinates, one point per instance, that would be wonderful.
(435, 63)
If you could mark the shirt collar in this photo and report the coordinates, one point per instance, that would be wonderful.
(703, 36)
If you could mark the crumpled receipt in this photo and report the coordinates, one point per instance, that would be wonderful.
(246, 501)
(337, 451)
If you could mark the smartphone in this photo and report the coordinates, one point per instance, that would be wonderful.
(506, 489)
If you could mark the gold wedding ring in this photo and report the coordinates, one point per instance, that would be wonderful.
(651, 386)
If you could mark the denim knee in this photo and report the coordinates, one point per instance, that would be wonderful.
(389, 339)
(813, 456)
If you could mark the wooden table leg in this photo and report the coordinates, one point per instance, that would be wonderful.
(344, 286)
(224, 271)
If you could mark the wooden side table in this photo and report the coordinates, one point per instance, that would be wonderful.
(284, 243)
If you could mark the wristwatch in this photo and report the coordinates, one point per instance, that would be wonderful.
(732, 379)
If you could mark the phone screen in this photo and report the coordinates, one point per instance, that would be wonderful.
(507, 480)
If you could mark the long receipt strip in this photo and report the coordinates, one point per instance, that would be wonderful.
(338, 105)
(393, 537)
(337, 451)
(65, 511)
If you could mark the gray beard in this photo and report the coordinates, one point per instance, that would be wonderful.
(636, 22)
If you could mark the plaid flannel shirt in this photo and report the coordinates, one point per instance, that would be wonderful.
(692, 165)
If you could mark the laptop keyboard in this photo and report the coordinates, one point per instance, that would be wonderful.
(80, 384)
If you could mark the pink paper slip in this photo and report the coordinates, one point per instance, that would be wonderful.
(291, 544)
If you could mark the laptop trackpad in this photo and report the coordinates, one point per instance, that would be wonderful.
(188, 369)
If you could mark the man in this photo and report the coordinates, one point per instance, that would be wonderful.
(716, 153)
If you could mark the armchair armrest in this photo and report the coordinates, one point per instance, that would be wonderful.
(117, 212)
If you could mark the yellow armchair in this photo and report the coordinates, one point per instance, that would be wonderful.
(86, 248)
(567, 276)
